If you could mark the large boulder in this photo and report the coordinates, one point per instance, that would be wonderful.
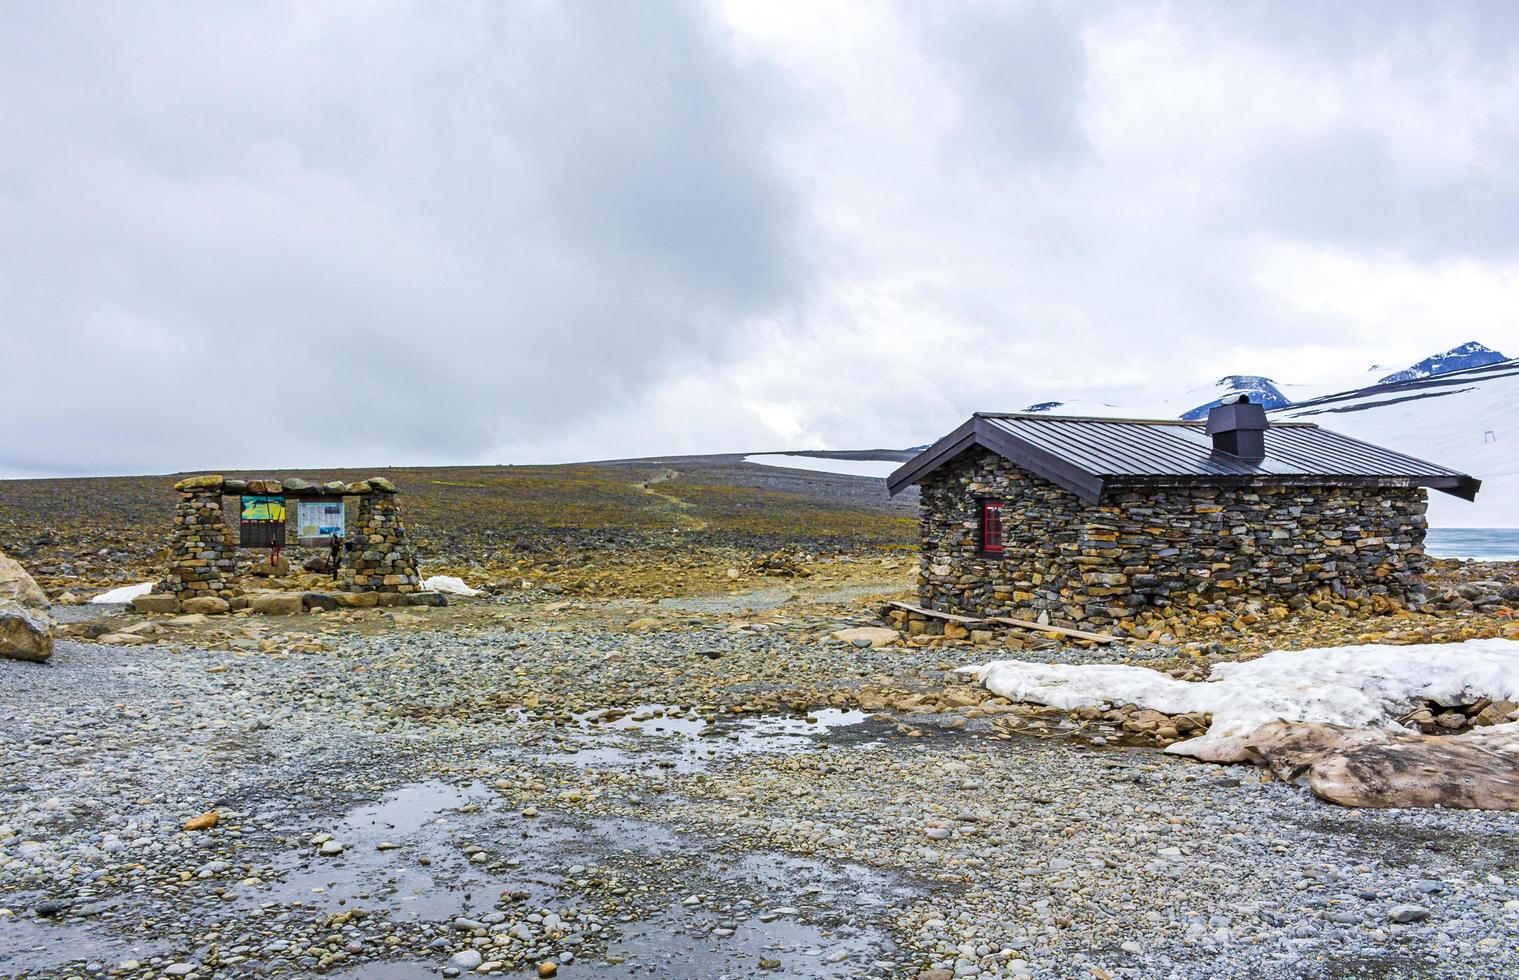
(19, 587)
(277, 603)
(868, 636)
(156, 602)
(1365, 767)
(206, 605)
(25, 634)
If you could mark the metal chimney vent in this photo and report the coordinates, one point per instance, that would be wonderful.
(1239, 429)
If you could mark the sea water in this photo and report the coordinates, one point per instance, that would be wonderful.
(1490, 543)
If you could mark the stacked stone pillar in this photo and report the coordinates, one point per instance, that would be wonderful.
(383, 559)
(202, 552)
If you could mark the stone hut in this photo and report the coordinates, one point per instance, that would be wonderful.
(1094, 521)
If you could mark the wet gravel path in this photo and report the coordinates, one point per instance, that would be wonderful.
(413, 803)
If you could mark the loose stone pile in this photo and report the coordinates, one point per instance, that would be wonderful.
(202, 552)
(384, 560)
(1138, 556)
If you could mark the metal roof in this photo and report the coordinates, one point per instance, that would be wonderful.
(1090, 455)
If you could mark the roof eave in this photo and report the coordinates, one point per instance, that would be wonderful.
(977, 432)
(1465, 487)
(932, 458)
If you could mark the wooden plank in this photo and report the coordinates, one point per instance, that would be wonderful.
(934, 613)
(1045, 628)
(1005, 621)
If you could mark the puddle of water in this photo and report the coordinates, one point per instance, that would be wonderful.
(684, 944)
(825, 918)
(423, 821)
(820, 921)
(838, 885)
(30, 944)
(692, 740)
(407, 809)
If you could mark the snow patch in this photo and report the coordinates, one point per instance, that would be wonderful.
(879, 468)
(449, 584)
(1360, 686)
(124, 594)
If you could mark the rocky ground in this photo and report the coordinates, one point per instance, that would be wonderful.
(645, 753)
(704, 786)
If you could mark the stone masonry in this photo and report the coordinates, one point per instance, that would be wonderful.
(202, 551)
(383, 559)
(1139, 552)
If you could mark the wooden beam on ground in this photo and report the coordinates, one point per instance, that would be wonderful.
(1043, 627)
(1004, 621)
(935, 614)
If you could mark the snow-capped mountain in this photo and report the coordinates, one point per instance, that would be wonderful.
(1468, 355)
(1195, 402)
(1258, 389)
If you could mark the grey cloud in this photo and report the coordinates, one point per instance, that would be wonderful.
(495, 217)
(1348, 189)
(550, 229)
(1020, 67)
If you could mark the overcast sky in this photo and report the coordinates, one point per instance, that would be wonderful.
(249, 235)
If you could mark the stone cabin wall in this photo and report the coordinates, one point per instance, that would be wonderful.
(1138, 552)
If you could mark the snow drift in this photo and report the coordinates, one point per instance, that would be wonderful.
(1358, 687)
(880, 468)
(124, 594)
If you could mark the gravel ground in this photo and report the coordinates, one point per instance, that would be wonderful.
(633, 804)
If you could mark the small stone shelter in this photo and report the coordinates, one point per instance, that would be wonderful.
(203, 550)
(1097, 521)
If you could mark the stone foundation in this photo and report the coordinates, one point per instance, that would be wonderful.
(1203, 549)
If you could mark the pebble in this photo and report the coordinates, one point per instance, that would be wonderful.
(1407, 913)
(466, 959)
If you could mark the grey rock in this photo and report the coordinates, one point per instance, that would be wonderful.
(1405, 914)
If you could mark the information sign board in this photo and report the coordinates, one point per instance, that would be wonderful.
(263, 521)
(318, 519)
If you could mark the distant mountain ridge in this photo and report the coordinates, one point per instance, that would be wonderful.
(1469, 355)
(1262, 391)
(1266, 391)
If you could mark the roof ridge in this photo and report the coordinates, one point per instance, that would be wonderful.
(1187, 423)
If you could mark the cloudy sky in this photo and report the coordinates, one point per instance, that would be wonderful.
(249, 235)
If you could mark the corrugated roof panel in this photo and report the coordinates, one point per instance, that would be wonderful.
(1084, 454)
(1136, 448)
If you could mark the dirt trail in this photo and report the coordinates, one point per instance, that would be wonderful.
(680, 509)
